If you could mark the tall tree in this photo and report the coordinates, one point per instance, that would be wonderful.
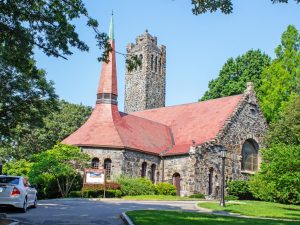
(235, 73)
(287, 129)
(25, 95)
(56, 126)
(226, 6)
(279, 81)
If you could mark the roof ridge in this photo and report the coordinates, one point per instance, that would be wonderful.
(184, 104)
(165, 125)
(229, 119)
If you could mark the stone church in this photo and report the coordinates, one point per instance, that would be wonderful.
(179, 144)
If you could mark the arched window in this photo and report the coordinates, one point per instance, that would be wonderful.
(107, 167)
(155, 64)
(250, 155)
(152, 62)
(153, 168)
(144, 169)
(141, 59)
(159, 65)
(95, 163)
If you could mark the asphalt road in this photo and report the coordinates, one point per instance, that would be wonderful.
(89, 212)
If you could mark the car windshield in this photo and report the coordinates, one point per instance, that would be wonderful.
(9, 180)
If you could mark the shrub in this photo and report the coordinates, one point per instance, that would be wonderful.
(136, 186)
(95, 194)
(108, 186)
(241, 189)
(75, 194)
(199, 195)
(279, 177)
(165, 189)
(231, 197)
(113, 194)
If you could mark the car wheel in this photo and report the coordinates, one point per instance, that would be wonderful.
(24, 209)
(35, 202)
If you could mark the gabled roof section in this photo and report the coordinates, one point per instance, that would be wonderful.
(198, 122)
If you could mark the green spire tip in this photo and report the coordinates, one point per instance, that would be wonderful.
(111, 28)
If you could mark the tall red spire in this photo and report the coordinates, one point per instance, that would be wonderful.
(107, 88)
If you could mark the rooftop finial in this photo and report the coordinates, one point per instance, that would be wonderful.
(111, 27)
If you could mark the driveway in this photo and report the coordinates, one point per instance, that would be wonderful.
(89, 211)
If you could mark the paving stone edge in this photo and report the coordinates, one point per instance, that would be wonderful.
(126, 219)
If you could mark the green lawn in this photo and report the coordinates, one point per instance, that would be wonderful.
(157, 217)
(257, 208)
(158, 198)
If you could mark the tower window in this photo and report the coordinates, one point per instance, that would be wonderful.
(155, 66)
(159, 65)
(152, 62)
(141, 60)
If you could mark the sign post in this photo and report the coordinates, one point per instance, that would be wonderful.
(94, 176)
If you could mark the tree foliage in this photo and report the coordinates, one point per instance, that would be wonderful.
(235, 73)
(226, 6)
(55, 127)
(63, 163)
(279, 177)
(279, 80)
(287, 129)
(25, 97)
(25, 94)
(17, 168)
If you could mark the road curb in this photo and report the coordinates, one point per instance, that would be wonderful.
(126, 219)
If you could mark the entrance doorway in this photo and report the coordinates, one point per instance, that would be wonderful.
(176, 182)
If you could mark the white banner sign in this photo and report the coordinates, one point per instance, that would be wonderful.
(94, 177)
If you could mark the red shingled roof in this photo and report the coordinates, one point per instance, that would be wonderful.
(106, 128)
(199, 121)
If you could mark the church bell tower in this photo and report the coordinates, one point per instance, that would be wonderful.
(145, 87)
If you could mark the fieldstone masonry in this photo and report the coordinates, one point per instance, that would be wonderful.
(145, 86)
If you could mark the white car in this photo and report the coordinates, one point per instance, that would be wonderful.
(16, 191)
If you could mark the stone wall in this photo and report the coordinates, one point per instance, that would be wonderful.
(115, 155)
(132, 164)
(201, 170)
(145, 86)
(126, 162)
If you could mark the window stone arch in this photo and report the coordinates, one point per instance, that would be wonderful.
(107, 167)
(250, 155)
(152, 61)
(141, 59)
(153, 169)
(144, 169)
(95, 163)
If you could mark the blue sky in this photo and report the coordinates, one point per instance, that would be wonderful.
(197, 46)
